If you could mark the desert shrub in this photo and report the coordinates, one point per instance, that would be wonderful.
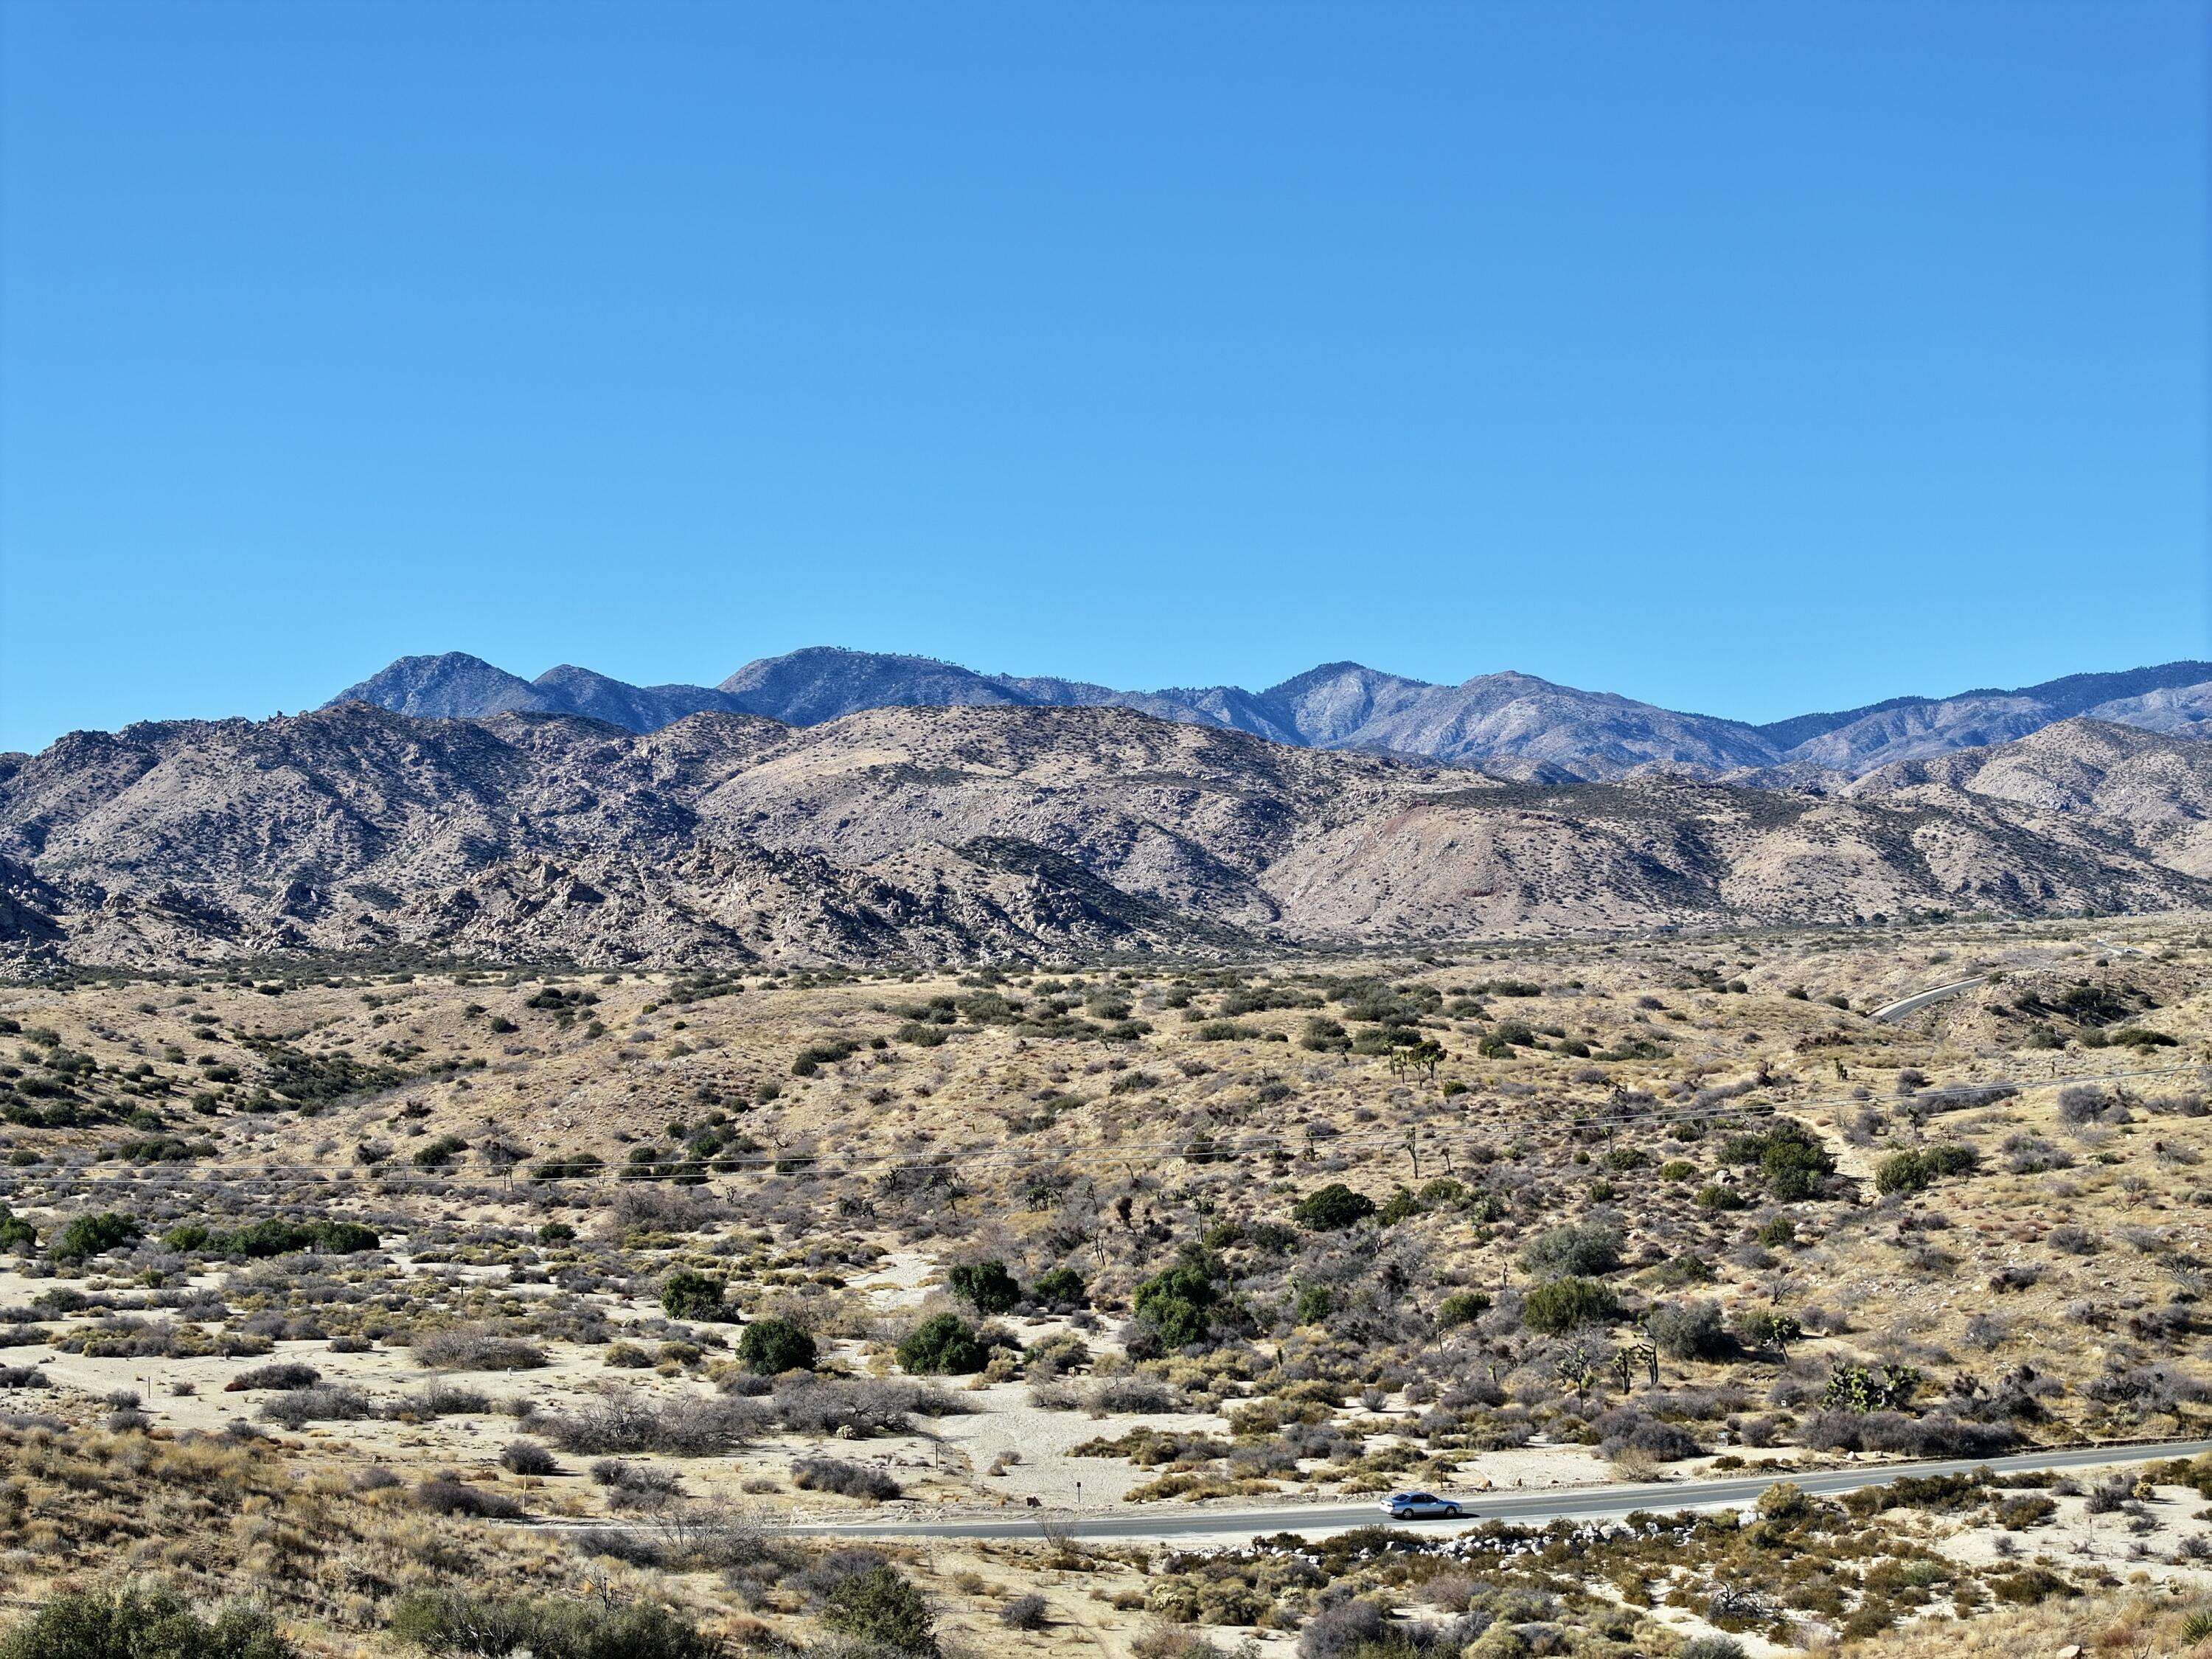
(1024, 1613)
(1625, 1430)
(1917, 1170)
(693, 1426)
(944, 1345)
(437, 1154)
(1767, 1327)
(690, 1294)
(1365, 1630)
(443, 1495)
(844, 1477)
(95, 1235)
(621, 1477)
(323, 1404)
(1178, 1303)
(771, 1346)
(880, 1605)
(1462, 1308)
(1144, 1394)
(283, 1374)
(1060, 1288)
(272, 1238)
(527, 1458)
(138, 1623)
(1790, 1157)
(1575, 1251)
(1689, 1330)
(807, 1404)
(1564, 1304)
(468, 1350)
(2027, 1510)
(987, 1286)
(1332, 1208)
(455, 1622)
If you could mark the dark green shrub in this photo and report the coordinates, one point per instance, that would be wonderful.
(987, 1286)
(1061, 1287)
(1332, 1208)
(881, 1606)
(1462, 1308)
(1178, 1303)
(1915, 1171)
(95, 1235)
(1564, 1304)
(141, 1624)
(944, 1345)
(690, 1294)
(771, 1346)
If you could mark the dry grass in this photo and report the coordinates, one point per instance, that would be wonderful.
(839, 1144)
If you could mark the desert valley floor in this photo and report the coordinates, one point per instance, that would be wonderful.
(346, 1285)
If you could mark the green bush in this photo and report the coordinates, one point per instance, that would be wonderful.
(944, 1345)
(1563, 1303)
(1177, 1304)
(690, 1294)
(1915, 1171)
(771, 1346)
(455, 1622)
(881, 1606)
(1332, 1208)
(1462, 1308)
(1061, 1287)
(95, 1235)
(133, 1623)
(987, 1286)
(273, 1238)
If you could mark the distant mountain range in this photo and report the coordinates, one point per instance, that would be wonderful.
(1509, 724)
(946, 834)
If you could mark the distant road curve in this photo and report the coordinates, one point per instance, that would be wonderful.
(1162, 1523)
(1920, 999)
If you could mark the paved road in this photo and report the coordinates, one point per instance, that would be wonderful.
(1920, 999)
(1160, 1522)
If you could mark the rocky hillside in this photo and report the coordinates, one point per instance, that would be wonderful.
(2154, 789)
(943, 834)
(1512, 724)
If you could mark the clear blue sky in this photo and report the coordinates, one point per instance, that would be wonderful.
(1748, 358)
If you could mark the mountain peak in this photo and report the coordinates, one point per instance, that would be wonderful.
(451, 685)
(1509, 720)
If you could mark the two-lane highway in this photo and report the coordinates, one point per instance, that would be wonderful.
(1162, 1523)
(1170, 1523)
